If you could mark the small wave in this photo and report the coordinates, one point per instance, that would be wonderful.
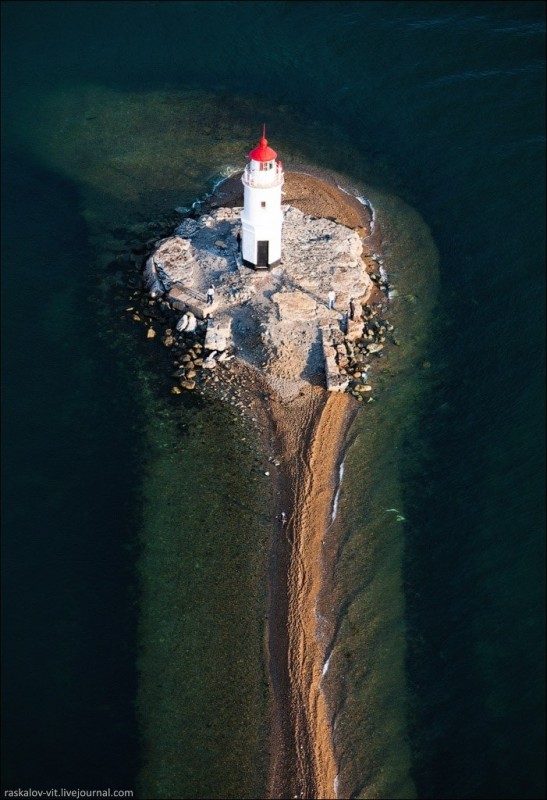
(480, 74)
(399, 517)
(368, 204)
(337, 495)
(326, 666)
(521, 28)
(480, 22)
(229, 169)
(224, 173)
(364, 202)
(336, 786)
(346, 191)
(436, 22)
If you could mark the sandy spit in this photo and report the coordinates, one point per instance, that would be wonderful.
(307, 434)
(314, 436)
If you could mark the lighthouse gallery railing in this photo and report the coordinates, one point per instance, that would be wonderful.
(263, 179)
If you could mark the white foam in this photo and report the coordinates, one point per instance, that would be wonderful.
(326, 666)
(364, 202)
(336, 785)
(337, 495)
(225, 172)
(229, 169)
(343, 190)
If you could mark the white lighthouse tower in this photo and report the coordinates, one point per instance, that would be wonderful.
(261, 218)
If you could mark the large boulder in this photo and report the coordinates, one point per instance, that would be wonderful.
(217, 336)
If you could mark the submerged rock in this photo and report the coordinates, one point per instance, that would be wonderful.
(374, 348)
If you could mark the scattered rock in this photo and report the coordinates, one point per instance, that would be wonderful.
(374, 348)
(210, 361)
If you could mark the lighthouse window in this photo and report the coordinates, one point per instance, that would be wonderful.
(263, 204)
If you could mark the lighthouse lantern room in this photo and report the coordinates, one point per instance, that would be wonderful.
(262, 218)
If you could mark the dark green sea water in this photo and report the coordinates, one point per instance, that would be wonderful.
(120, 559)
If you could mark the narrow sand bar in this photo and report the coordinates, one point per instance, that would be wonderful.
(309, 433)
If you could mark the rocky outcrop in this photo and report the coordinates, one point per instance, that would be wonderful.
(275, 316)
(331, 340)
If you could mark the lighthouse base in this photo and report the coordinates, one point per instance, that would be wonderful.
(260, 266)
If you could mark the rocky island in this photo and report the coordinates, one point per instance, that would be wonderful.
(299, 363)
(278, 321)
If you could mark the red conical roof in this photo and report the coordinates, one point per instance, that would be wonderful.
(263, 152)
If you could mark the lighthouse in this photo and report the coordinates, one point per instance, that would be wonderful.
(261, 218)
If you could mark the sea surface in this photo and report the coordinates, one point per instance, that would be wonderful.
(135, 523)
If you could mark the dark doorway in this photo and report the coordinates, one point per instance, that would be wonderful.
(262, 254)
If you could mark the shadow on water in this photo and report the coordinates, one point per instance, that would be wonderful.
(70, 450)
